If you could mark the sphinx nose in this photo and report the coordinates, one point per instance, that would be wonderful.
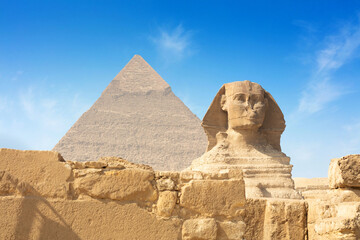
(248, 104)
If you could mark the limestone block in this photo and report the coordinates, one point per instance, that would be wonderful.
(126, 185)
(165, 184)
(254, 218)
(275, 219)
(114, 165)
(83, 172)
(333, 196)
(214, 197)
(345, 172)
(76, 165)
(285, 219)
(167, 174)
(221, 174)
(336, 229)
(120, 163)
(166, 203)
(333, 214)
(231, 230)
(93, 164)
(199, 229)
(187, 175)
(39, 218)
(36, 172)
(337, 221)
(308, 184)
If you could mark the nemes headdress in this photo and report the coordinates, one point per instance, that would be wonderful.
(216, 119)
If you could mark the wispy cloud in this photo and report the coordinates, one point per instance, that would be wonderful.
(26, 100)
(17, 75)
(3, 103)
(307, 26)
(36, 116)
(337, 50)
(352, 132)
(173, 44)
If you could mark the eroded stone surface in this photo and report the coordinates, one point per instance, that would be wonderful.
(214, 197)
(307, 184)
(8, 184)
(285, 219)
(199, 229)
(165, 184)
(275, 219)
(254, 218)
(345, 172)
(228, 230)
(120, 163)
(243, 125)
(39, 218)
(166, 203)
(333, 213)
(127, 185)
(34, 173)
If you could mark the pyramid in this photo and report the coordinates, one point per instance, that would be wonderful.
(138, 118)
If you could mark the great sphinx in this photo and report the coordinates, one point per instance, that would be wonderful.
(243, 125)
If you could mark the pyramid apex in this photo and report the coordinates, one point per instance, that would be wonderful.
(138, 76)
(137, 56)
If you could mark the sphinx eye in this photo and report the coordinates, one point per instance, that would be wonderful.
(258, 104)
(256, 98)
(239, 97)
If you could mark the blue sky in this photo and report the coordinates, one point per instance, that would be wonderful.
(56, 57)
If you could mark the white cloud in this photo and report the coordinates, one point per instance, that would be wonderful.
(338, 50)
(174, 43)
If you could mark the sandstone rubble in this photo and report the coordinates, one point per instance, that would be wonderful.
(344, 172)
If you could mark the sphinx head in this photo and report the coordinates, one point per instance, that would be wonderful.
(244, 106)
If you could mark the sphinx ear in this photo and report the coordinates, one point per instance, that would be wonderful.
(223, 103)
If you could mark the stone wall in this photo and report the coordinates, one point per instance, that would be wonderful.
(44, 197)
(334, 211)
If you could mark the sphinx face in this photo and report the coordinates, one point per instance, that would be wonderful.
(245, 104)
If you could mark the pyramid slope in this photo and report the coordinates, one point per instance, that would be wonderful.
(138, 118)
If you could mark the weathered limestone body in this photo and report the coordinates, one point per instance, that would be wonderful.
(243, 125)
(116, 199)
(333, 214)
(307, 184)
(44, 197)
(138, 118)
(33, 173)
(344, 172)
(334, 208)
